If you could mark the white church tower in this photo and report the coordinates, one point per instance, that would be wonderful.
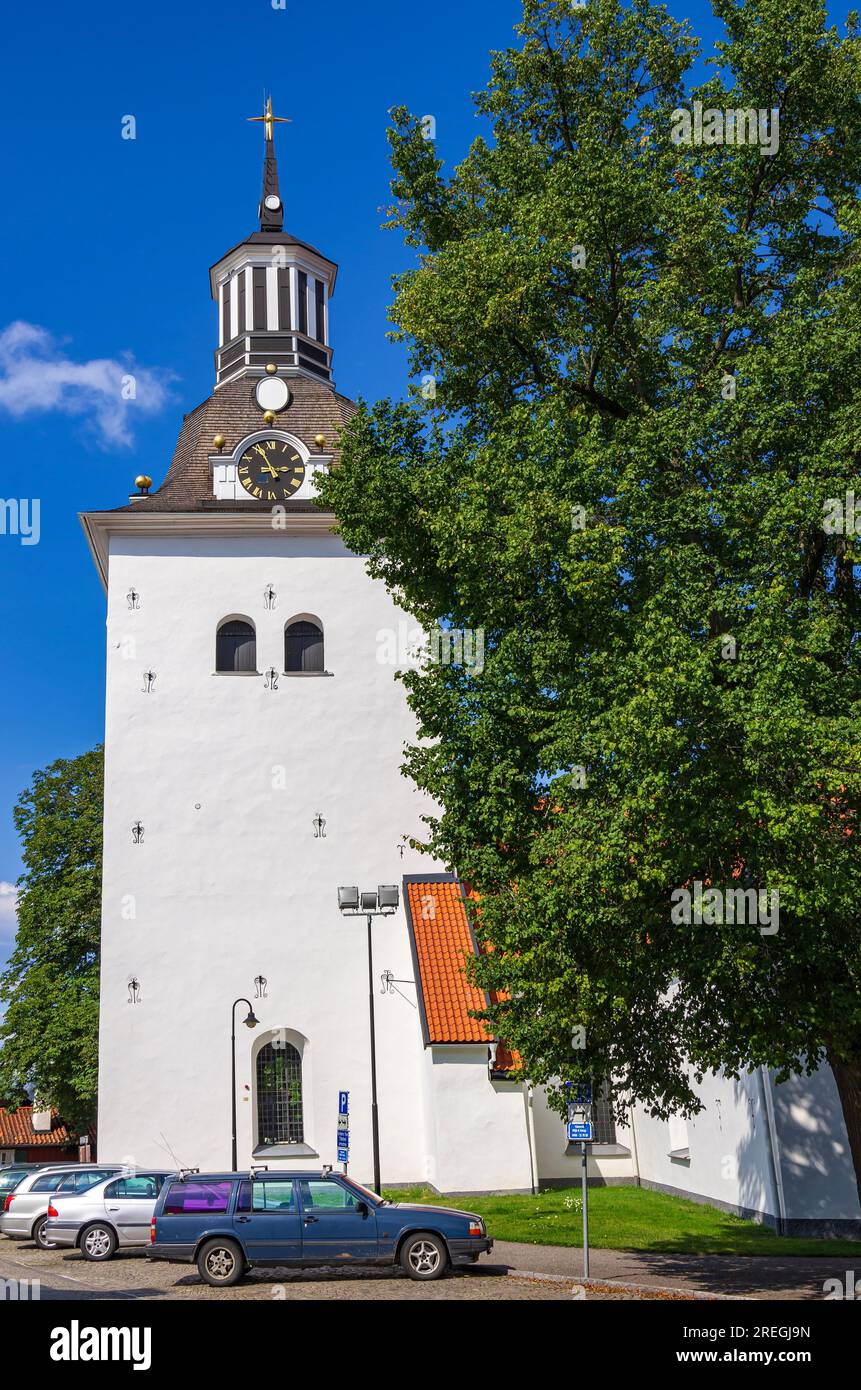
(254, 736)
(253, 743)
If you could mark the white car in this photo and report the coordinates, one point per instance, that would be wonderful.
(114, 1214)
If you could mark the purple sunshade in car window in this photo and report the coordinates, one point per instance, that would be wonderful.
(194, 1197)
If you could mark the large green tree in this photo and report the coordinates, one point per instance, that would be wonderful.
(640, 366)
(49, 1033)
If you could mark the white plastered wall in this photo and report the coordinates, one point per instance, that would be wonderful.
(229, 881)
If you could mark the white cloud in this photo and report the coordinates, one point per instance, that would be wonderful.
(8, 917)
(37, 375)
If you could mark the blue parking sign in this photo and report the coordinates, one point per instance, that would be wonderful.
(343, 1136)
(579, 1131)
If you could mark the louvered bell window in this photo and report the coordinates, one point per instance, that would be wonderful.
(236, 647)
(303, 647)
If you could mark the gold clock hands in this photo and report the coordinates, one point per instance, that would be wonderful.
(258, 449)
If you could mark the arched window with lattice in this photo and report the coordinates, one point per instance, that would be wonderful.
(279, 1095)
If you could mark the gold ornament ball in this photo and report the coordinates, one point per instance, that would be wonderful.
(219, 442)
(319, 440)
(269, 417)
(271, 368)
(142, 481)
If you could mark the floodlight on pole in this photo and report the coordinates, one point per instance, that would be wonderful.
(381, 902)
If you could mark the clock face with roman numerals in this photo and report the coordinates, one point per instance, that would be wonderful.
(271, 470)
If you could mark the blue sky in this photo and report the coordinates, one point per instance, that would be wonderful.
(106, 245)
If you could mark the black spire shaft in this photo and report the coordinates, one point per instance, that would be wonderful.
(271, 207)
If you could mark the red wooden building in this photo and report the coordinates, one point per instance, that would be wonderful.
(40, 1137)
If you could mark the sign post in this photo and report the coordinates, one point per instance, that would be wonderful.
(344, 1128)
(579, 1129)
(585, 1214)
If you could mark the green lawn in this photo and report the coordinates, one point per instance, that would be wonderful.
(627, 1218)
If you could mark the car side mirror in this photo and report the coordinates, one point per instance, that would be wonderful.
(362, 1208)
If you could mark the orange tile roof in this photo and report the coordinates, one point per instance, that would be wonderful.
(506, 1061)
(16, 1128)
(442, 941)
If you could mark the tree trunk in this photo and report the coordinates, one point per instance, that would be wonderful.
(847, 1074)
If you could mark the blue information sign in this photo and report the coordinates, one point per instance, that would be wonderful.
(579, 1131)
(343, 1102)
(343, 1156)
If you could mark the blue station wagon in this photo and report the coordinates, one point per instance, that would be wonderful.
(227, 1223)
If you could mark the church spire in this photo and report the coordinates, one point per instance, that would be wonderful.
(271, 208)
(272, 292)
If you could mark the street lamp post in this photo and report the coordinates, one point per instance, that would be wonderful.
(250, 1022)
(381, 903)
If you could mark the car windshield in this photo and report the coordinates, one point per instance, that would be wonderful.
(365, 1193)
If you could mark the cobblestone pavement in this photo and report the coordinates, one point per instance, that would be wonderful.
(63, 1274)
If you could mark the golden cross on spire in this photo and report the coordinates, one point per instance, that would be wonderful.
(267, 118)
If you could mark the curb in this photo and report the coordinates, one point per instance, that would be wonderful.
(602, 1285)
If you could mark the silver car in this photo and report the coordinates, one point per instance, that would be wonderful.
(111, 1215)
(25, 1209)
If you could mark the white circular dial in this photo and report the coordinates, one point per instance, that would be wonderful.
(273, 202)
(272, 393)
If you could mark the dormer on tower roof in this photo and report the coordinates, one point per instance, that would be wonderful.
(273, 292)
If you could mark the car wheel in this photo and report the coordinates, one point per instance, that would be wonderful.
(220, 1263)
(424, 1256)
(40, 1234)
(98, 1242)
